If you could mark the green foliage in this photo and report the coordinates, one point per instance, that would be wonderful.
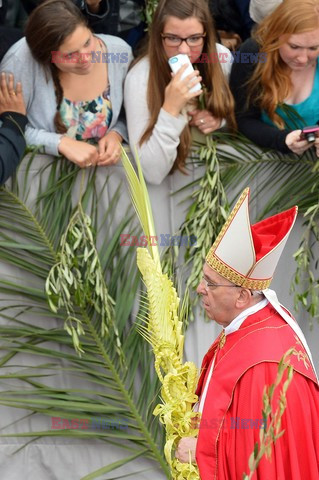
(76, 283)
(92, 289)
(150, 7)
(305, 257)
(205, 216)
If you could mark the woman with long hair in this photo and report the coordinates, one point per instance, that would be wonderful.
(275, 78)
(156, 100)
(73, 84)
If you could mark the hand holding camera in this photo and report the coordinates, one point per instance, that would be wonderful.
(310, 133)
(298, 141)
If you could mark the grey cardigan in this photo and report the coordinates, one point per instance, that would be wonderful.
(39, 94)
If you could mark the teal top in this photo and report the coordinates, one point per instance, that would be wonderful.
(301, 114)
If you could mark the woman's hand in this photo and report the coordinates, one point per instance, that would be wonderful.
(11, 99)
(297, 144)
(186, 449)
(204, 121)
(81, 153)
(177, 92)
(109, 149)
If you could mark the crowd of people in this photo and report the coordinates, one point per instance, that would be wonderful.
(72, 86)
(85, 93)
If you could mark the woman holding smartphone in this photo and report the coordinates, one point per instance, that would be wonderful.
(161, 106)
(279, 95)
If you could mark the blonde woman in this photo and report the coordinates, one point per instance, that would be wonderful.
(275, 78)
(155, 100)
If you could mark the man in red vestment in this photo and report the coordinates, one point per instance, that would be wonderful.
(257, 332)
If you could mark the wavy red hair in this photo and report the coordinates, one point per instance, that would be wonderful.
(271, 82)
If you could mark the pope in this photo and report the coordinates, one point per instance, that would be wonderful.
(257, 332)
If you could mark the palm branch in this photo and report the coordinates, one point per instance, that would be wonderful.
(163, 329)
(103, 385)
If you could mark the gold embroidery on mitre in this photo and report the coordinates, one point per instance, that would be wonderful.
(235, 277)
(225, 270)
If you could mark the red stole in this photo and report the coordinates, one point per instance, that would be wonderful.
(263, 337)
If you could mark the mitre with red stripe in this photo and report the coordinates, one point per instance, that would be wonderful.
(246, 254)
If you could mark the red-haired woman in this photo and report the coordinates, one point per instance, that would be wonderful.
(275, 78)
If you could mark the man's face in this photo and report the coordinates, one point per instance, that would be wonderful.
(219, 302)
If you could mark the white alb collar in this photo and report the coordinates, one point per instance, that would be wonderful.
(236, 323)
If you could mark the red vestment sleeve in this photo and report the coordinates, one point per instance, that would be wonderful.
(295, 456)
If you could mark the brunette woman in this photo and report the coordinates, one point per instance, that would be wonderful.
(156, 101)
(73, 85)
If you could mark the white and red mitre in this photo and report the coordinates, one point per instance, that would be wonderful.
(246, 254)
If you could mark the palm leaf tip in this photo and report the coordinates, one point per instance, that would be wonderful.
(141, 202)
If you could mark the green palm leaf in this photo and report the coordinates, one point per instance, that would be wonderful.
(110, 387)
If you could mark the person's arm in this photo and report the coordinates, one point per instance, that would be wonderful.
(248, 117)
(39, 96)
(96, 7)
(120, 125)
(14, 120)
(117, 72)
(158, 153)
(102, 15)
(205, 120)
(225, 59)
(12, 143)
(42, 138)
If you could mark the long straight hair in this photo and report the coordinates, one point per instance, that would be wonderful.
(271, 83)
(219, 99)
(47, 28)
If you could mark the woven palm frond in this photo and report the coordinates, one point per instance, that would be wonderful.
(163, 330)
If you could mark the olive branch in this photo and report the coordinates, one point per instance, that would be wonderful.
(76, 282)
(270, 431)
(206, 215)
(309, 297)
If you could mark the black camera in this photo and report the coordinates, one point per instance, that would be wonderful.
(309, 133)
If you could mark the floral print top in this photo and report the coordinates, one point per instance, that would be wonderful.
(87, 120)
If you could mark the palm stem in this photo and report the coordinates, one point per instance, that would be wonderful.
(42, 233)
(110, 366)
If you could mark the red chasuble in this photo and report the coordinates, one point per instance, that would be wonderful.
(232, 413)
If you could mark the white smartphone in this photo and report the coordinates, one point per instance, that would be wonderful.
(177, 61)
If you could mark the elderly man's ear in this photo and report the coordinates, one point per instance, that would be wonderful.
(244, 299)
